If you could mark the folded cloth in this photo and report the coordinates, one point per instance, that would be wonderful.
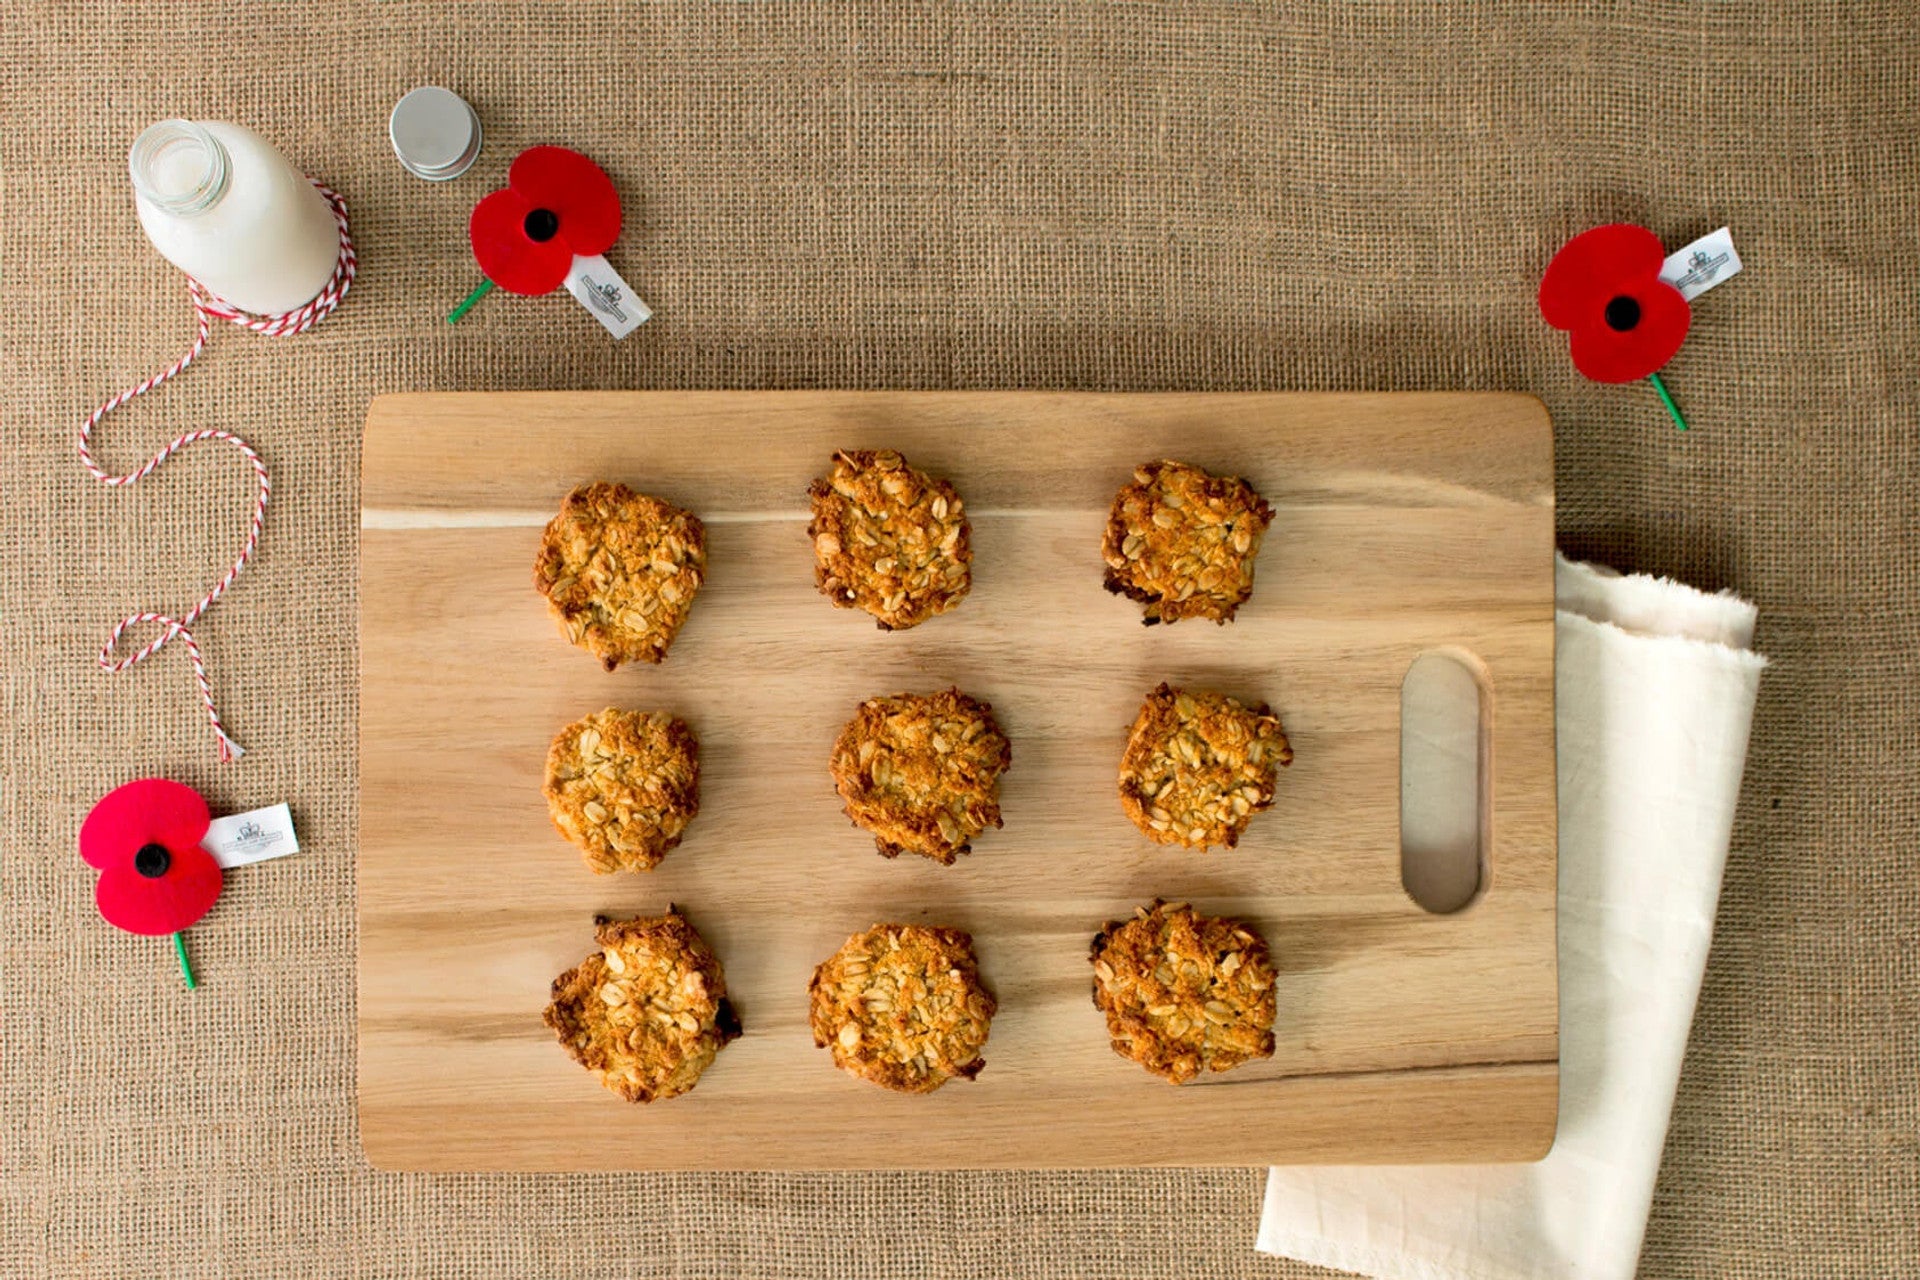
(1654, 689)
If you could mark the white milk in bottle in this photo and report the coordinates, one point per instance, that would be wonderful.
(226, 208)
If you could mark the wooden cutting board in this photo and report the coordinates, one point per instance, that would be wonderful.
(1405, 523)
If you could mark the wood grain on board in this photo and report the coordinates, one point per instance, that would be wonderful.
(1404, 523)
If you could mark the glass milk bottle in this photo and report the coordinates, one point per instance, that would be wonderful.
(226, 208)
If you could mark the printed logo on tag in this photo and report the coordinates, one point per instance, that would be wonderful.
(599, 289)
(1708, 261)
(250, 837)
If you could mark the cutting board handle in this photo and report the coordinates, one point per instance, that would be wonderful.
(1446, 778)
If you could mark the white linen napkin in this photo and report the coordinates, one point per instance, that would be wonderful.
(1654, 689)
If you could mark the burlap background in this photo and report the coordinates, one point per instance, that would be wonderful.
(944, 195)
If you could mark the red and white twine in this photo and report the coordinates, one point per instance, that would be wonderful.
(206, 309)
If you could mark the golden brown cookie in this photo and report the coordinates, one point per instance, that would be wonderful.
(623, 785)
(889, 539)
(1198, 766)
(921, 771)
(648, 1011)
(1184, 993)
(619, 571)
(1182, 542)
(902, 1005)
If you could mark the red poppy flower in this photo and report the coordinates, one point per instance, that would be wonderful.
(145, 839)
(556, 204)
(1604, 287)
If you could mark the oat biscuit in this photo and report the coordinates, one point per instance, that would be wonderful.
(1184, 993)
(902, 1006)
(648, 1011)
(619, 571)
(889, 539)
(1182, 542)
(922, 772)
(1198, 766)
(622, 786)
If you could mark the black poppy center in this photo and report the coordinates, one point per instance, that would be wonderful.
(542, 225)
(1622, 314)
(152, 861)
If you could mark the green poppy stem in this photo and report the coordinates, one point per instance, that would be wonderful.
(180, 950)
(1667, 400)
(466, 305)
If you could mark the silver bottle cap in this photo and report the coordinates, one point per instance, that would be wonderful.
(435, 133)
